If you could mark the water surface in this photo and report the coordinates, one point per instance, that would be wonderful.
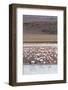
(39, 69)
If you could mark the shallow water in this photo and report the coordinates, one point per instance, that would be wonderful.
(39, 69)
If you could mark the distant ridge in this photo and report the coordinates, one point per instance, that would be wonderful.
(32, 18)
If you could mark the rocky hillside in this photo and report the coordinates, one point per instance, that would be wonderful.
(40, 55)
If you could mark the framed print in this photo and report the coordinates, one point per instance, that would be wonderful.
(37, 44)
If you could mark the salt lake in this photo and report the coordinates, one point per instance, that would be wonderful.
(39, 69)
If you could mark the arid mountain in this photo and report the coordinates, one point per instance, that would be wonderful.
(41, 27)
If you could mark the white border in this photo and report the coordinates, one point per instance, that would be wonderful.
(46, 77)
